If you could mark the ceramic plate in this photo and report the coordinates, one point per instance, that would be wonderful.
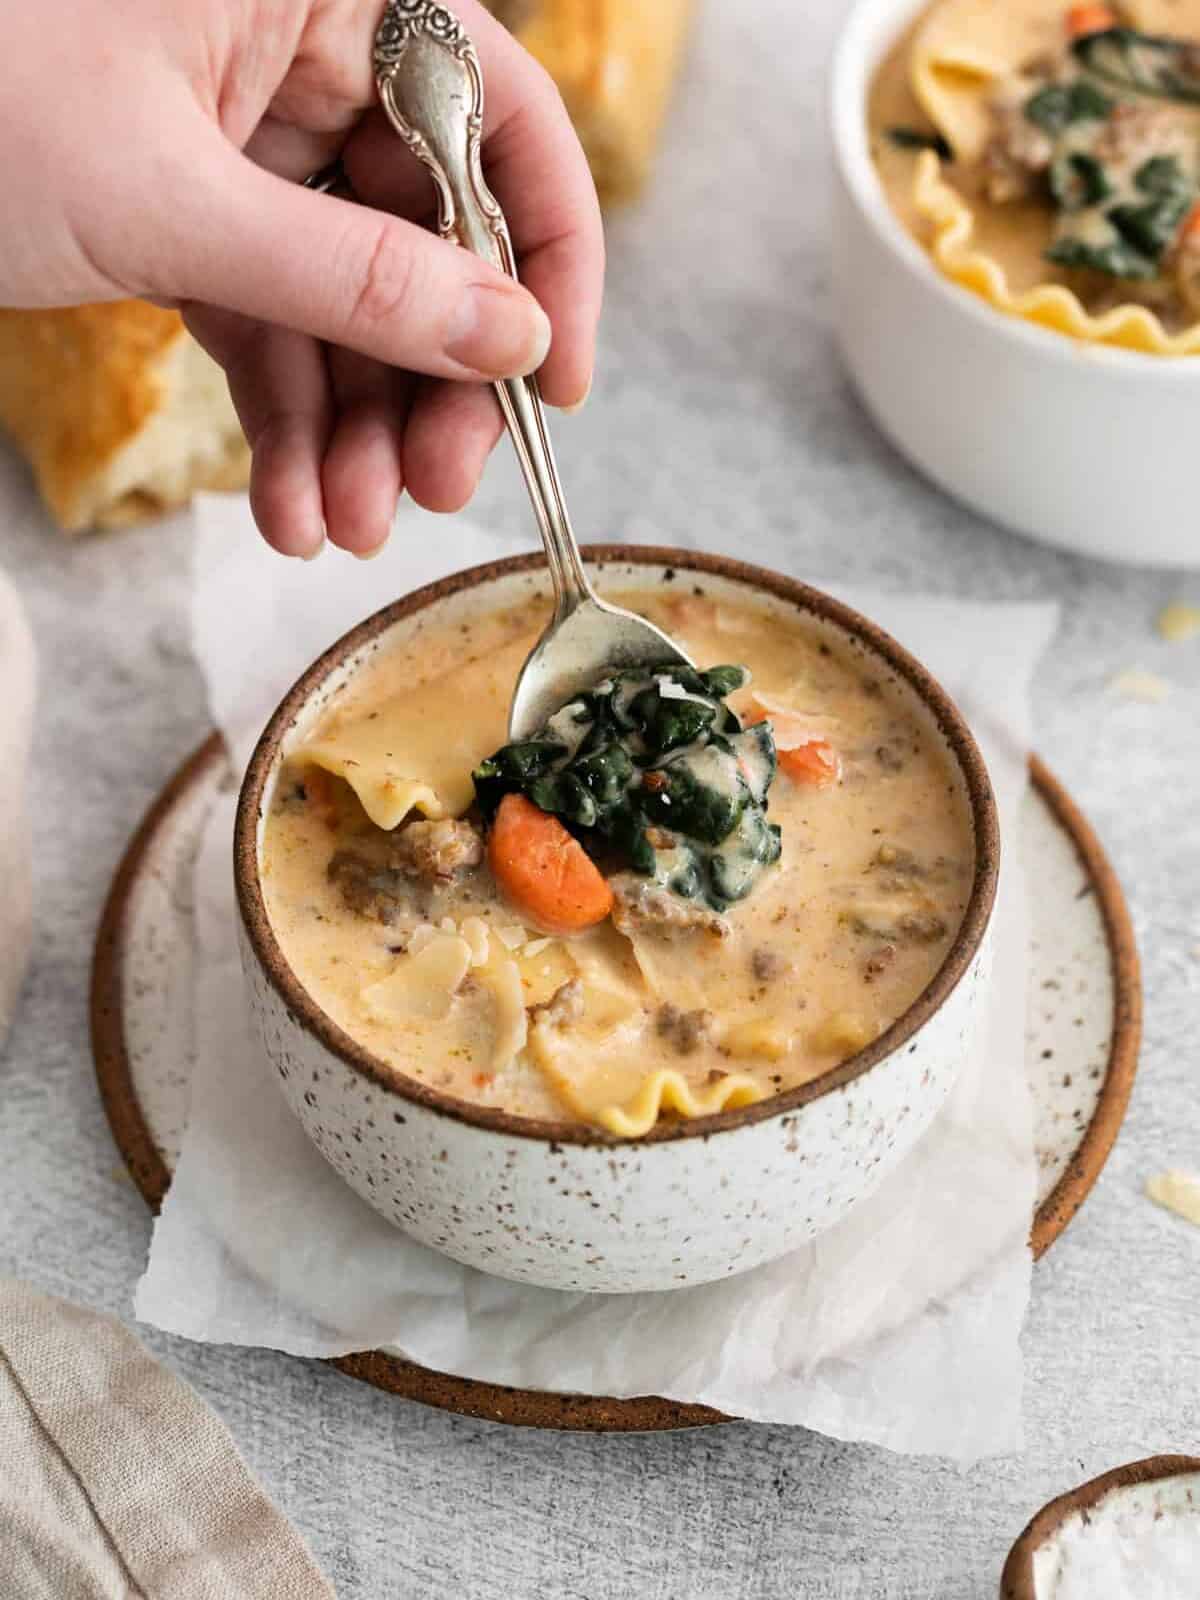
(1081, 1049)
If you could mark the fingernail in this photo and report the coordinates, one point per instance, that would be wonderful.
(315, 551)
(501, 333)
(369, 555)
(570, 411)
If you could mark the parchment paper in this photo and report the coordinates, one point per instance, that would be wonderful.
(900, 1326)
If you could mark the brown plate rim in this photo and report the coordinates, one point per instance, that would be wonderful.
(587, 1413)
(1017, 1579)
(1085, 1166)
(818, 605)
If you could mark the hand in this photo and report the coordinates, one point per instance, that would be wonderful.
(157, 150)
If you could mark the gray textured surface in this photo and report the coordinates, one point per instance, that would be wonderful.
(719, 405)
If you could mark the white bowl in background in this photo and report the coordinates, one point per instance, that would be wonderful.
(568, 1206)
(1087, 447)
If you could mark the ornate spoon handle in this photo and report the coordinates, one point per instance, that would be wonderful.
(431, 86)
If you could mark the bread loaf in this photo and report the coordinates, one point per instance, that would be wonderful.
(120, 413)
(614, 62)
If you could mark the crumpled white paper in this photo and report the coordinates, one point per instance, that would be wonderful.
(900, 1326)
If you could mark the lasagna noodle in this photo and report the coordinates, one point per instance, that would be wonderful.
(600, 1079)
(417, 752)
(593, 1064)
(959, 52)
(666, 1090)
(963, 47)
(423, 988)
(1050, 305)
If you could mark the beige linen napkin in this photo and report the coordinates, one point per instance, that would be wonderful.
(16, 720)
(117, 1482)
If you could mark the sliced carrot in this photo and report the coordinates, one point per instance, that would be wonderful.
(1091, 18)
(691, 611)
(802, 753)
(544, 873)
(790, 729)
(1190, 228)
(816, 762)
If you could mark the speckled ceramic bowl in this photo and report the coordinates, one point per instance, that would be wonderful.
(566, 1206)
(1099, 1540)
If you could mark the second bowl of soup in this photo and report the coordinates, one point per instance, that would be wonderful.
(651, 998)
(1018, 346)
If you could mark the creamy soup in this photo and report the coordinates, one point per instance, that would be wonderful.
(802, 859)
(1071, 135)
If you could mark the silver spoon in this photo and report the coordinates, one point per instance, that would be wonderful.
(431, 85)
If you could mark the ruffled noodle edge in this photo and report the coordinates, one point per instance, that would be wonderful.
(1049, 305)
(666, 1090)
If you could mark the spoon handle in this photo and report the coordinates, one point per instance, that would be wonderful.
(431, 86)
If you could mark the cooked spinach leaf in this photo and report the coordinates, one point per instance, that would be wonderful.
(1060, 105)
(700, 794)
(654, 767)
(754, 749)
(753, 845)
(1114, 256)
(1078, 180)
(721, 682)
(667, 724)
(1142, 63)
(517, 765)
(916, 139)
(1126, 239)
(1151, 226)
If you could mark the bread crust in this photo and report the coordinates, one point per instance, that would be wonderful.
(615, 62)
(82, 387)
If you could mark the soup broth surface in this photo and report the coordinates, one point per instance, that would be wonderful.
(1043, 196)
(427, 966)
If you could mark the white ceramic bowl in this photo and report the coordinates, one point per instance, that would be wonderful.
(1084, 447)
(570, 1207)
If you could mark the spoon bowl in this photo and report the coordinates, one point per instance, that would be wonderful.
(431, 85)
(576, 652)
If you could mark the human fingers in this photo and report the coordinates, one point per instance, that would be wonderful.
(280, 388)
(534, 164)
(362, 476)
(452, 429)
(343, 273)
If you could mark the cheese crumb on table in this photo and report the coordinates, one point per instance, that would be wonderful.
(1179, 621)
(1135, 683)
(1178, 1192)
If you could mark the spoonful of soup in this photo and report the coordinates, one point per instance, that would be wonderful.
(431, 85)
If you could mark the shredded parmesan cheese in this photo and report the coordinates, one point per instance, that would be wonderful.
(1135, 683)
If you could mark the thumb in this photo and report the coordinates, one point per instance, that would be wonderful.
(250, 242)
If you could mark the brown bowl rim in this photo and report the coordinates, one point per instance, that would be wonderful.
(304, 1009)
(1017, 1579)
